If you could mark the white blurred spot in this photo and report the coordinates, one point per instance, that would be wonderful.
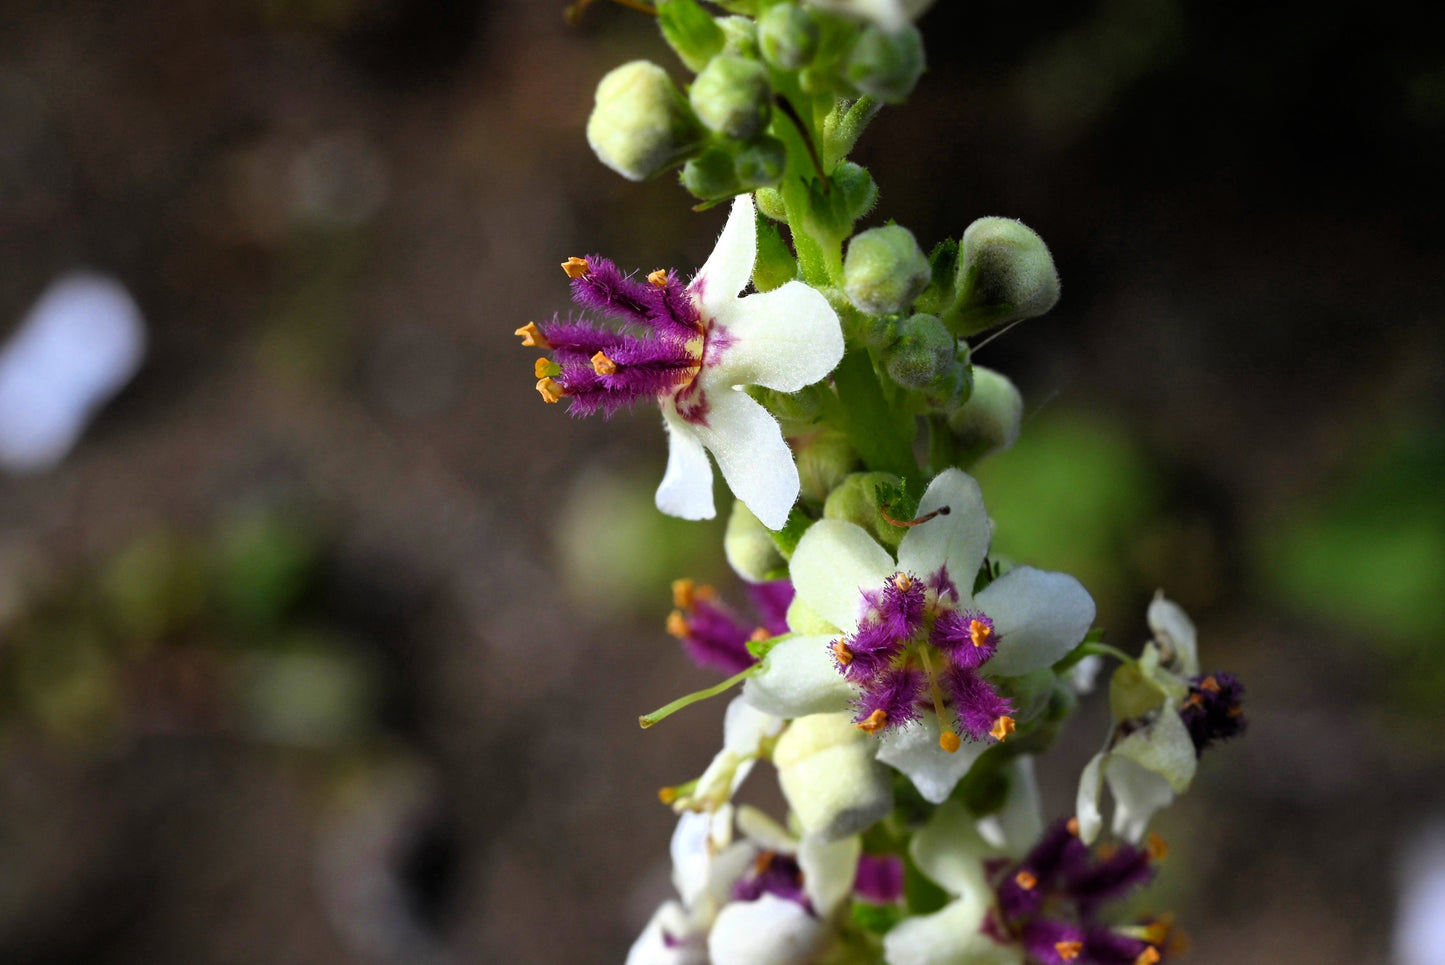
(1420, 921)
(79, 345)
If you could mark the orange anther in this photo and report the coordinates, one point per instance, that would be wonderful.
(1148, 956)
(532, 336)
(1209, 684)
(1156, 848)
(1026, 880)
(576, 267)
(1069, 951)
(658, 278)
(551, 391)
(841, 653)
(1073, 826)
(875, 722)
(603, 365)
(677, 624)
(1003, 727)
(979, 632)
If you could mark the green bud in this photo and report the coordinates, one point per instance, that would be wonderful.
(749, 547)
(640, 123)
(761, 161)
(732, 96)
(884, 64)
(881, 332)
(824, 460)
(989, 421)
(939, 296)
(770, 203)
(923, 351)
(884, 270)
(740, 37)
(788, 36)
(712, 175)
(858, 498)
(953, 385)
(691, 31)
(774, 266)
(828, 773)
(859, 190)
(1006, 275)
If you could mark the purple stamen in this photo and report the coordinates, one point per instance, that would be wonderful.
(1213, 712)
(716, 639)
(772, 601)
(896, 693)
(879, 878)
(1052, 942)
(968, 637)
(1109, 879)
(1104, 946)
(975, 703)
(774, 874)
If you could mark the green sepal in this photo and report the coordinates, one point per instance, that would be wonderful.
(786, 539)
(939, 296)
(920, 894)
(691, 31)
(760, 648)
(775, 265)
(1132, 694)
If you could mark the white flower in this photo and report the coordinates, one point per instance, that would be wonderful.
(1031, 617)
(891, 15)
(745, 732)
(784, 339)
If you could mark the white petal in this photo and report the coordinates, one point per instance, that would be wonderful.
(829, 868)
(1015, 827)
(914, 750)
(652, 948)
(833, 563)
(686, 487)
(1138, 793)
(783, 339)
(769, 931)
(1040, 616)
(798, 679)
(829, 776)
(749, 448)
(727, 867)
(1086, 805)
(730, 266)
(1163, 747)
(745, 727)
(804, 619)
(691, 856)
(1172, 626)
(949, 850)
(950, 936)
(958, 540)
(764, 832)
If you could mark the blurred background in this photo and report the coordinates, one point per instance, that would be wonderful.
(322, 640)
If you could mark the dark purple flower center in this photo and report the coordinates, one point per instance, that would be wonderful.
(658, 347)
(773, 874)
(916, 650)
(1213, 710)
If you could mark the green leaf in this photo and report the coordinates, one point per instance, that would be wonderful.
(691, 31)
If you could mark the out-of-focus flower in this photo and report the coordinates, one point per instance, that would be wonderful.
(692, 348)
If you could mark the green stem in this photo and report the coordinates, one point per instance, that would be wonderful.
(884, 442)
(842, 134)
(667, 710)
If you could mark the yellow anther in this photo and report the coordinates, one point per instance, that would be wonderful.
(759, 634)
(576, 267)
(949, 741)
(677, 624)
(1209, 684)
(1026, 880)
(667, 795)
(551, 391)
(1157, 849)
(1158, 931)
(1073, 826)
(1148, 956)
(658, 278)
(532, 336)
(903, 582)
(1002, 727)
(1069, 951)
(1194, 701)
(545, 367)
(875, 722)
(684, 593)
(841, 653)
(979, 632)
(603, 365)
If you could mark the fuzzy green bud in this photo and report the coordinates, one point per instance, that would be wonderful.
(989, 421)
(691, 31)
(712, 176)
(732, 96)
(885, 64)
(884, 270)
(828, 773)
(740, 37)
(770, 203)
(1006, 274)
(640, 123)
(761, 161)
(788, 36)
(749, 546)
(824, 460)
(922, 352)
(859, 190)
(858, 500)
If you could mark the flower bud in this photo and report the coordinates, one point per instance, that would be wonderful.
(824, 460)
(788, 36)
(923, 351)
(712, 175)
(732, 96)
(884, 270)
(989, 421)
(858, 500)
(859, 190)
(749, 546)
(828, 773)
(886, 64)
(640, 123)
(1006, 274)
(761, 161)
(740, 37)
(770, 203)
(691, 31)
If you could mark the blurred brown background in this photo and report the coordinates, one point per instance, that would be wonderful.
(326, 643)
